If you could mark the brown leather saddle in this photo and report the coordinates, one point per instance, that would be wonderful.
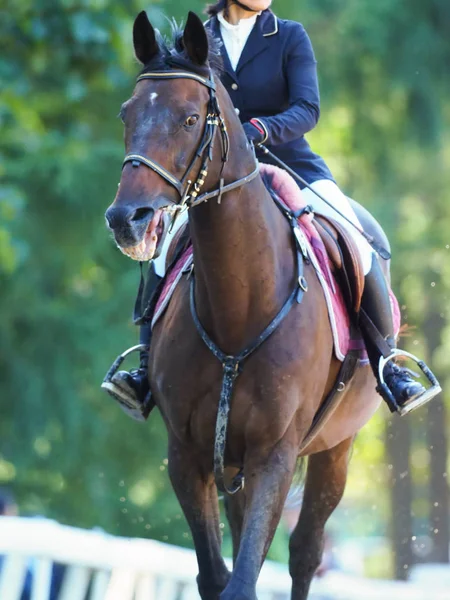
(339, 244)
(345, 258)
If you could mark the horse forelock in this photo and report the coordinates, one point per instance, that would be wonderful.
(173, 55)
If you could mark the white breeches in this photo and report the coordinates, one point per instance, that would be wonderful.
(330, 191)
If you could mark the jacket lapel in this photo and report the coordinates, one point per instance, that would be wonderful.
(258, 40)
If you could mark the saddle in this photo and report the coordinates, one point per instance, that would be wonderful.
(339, 244)
(345, 258)
(341, 248)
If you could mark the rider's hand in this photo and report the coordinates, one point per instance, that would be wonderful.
(255, 132)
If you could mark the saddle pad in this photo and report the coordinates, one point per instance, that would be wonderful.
(288, 191)
(182, 265)
(337, 310)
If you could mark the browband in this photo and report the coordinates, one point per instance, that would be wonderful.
(178, 75)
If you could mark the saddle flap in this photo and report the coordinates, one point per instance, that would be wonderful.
(344, 254)
(329, 239)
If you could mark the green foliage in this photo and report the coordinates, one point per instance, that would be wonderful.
(67, 293)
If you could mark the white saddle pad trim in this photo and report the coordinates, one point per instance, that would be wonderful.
(186, 266)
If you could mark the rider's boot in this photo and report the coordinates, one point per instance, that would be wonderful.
(131, 389)
(400, 381)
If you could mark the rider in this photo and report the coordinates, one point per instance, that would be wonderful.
(270, 74)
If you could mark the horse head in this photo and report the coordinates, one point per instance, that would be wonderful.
(170, 125)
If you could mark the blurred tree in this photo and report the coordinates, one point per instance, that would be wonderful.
(65, 68)
(398, 443)
(439, 517)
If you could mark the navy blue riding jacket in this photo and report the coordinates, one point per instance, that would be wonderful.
(276, 82)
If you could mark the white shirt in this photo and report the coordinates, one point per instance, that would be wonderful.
(235, 36)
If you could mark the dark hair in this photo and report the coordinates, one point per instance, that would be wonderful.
(213, 9)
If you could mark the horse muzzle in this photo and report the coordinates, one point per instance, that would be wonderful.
(138, 232)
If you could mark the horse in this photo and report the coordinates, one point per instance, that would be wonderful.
(186, 148)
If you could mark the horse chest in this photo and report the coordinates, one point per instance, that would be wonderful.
(189, 401)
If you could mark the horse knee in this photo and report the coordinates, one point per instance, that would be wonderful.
(305, 555)
(211, 590)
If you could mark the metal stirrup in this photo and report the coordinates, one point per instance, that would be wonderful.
(119, 360)
(414, 403)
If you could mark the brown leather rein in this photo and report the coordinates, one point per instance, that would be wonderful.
(189, 190)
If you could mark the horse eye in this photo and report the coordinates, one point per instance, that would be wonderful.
(191, 121)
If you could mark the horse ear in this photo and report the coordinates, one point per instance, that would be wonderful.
(144, 39)
(195, 39)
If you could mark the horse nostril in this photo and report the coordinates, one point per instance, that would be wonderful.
(125, 216)
(111, 217)
(142, 214)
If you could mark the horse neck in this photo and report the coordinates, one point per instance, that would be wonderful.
(244, 268)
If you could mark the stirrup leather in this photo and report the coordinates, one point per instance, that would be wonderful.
(409, 405)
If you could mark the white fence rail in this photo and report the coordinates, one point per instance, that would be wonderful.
(104, 567)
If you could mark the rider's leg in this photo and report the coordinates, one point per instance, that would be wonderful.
(376, 300)
(131, 388)
(331, 192)
(377, 304)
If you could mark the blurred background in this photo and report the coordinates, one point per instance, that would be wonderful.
(66, 450)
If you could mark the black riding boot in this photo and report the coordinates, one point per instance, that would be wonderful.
(131, 389)
(377, 304)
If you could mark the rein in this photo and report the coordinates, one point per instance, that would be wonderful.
(188, 189)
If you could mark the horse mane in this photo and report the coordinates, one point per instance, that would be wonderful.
(172, 53)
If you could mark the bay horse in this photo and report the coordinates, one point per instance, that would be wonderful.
(181, 124)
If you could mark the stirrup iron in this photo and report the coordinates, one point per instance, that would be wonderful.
(414, 403)
(119, 360)
(107, 384)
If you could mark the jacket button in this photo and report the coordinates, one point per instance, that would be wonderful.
(234, 86)
(237, 111)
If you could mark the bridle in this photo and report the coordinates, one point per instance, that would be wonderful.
(188, 189)
(190, 197)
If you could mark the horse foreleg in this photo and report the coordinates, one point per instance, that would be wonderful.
(234, 508)
(325, 484)
(197, 494)
(268, 475)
